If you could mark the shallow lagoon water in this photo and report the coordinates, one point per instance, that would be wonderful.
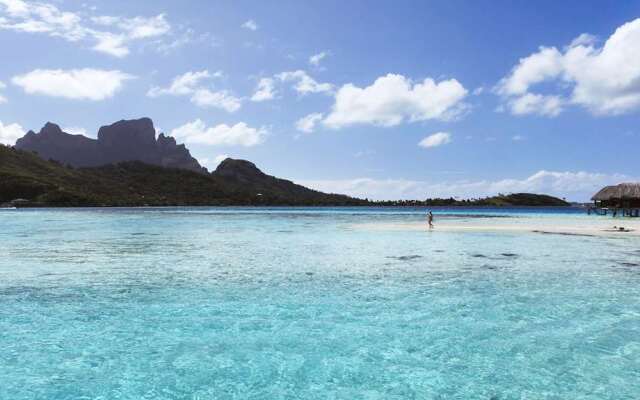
(242, 303)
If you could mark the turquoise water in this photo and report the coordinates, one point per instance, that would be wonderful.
(311, 304)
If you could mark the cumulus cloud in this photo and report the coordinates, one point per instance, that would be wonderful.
(77, 84)
(576, 186)
(250, 25)
(221, 99)
(605, 80)
(181, 85)
(308, 123)
(317, 58)
(538, 67)
(137, 27)
(191, 84)
(10, 133)
(265, 90)
(304, 84)
(239, 134)
(435, 140)
(531, 103)
(109, 34)
(393, 99)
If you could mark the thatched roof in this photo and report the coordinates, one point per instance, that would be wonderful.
(621, 191)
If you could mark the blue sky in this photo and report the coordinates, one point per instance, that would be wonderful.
(403, 99)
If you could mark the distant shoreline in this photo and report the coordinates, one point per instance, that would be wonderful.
(576, 209)
(27, 180)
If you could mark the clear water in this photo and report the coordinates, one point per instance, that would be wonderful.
(310, 304)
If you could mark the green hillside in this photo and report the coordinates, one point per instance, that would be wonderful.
(24, 175)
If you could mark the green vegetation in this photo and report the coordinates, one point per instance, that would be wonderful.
(24, 175)
(501, 200)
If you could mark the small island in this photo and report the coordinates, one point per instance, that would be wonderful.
(501, 200)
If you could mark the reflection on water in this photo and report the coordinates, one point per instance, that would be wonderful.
(255, 303)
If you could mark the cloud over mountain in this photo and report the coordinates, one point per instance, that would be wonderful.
(239, 134)
(10, 133)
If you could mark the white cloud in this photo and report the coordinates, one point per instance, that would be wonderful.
(576, 186)
(75, 130)
(190, 84)
(10, 133)
(220, 158)
(435, 140)
(538, 67)
(392, 99)
(111, 35)
(317, 58)
(517, 138)
(304, 84)
(184, 36)
(212, 164)
(251, 25)
(584, 39)
(141, 27)
(239, 134)
(531, 103)
(78, 84)
(308, 123)
(265, 90)
(605, 80)
(221, 99)
(182, 84)
(112, 44)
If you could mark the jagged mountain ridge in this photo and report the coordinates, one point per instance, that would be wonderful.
(125, 140)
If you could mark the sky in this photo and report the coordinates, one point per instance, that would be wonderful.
(386, 99)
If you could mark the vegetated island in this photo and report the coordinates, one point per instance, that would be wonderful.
(501, 200)
(127, 166)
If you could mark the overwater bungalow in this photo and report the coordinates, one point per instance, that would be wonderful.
(619, 200)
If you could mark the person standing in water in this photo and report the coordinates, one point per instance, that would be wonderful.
(430, 219)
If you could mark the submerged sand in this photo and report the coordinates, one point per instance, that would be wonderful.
(559, 226)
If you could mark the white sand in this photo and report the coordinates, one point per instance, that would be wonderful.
(551, 225)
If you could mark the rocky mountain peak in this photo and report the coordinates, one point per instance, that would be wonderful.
(137, 132)
(234, 168)
(51, 129)
(125, 140)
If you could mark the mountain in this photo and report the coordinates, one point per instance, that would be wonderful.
(126, 140)
(241, 173)
(128, 166)
(24, 175)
